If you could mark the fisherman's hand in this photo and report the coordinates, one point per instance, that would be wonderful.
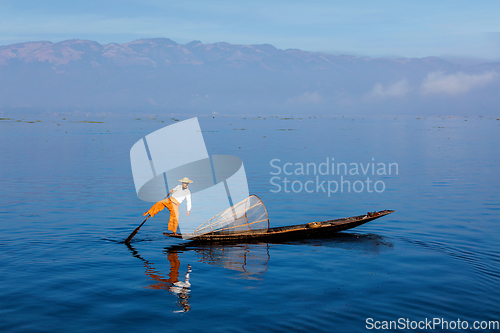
(188, 214)
(171, 191)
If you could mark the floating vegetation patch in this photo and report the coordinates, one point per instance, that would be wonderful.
(89, 122)
(137, 118)
(174, 119)
(286, 129)
(286, 118)
(6, 119)
(239, 129)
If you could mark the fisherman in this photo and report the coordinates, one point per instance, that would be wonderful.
(177, 196)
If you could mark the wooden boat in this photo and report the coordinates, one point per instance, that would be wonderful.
(299, 231)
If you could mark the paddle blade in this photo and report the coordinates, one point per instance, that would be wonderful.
(132, 235)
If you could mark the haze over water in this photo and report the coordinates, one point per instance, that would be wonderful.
(68, 200)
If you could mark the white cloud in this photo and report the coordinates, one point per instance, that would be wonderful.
(454, 84)
(398, 89)
(307, 98)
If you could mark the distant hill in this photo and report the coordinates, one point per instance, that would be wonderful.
(162, 75)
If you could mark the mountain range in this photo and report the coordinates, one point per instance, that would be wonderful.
(160, 75)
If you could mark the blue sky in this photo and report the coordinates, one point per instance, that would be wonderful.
(366, 28)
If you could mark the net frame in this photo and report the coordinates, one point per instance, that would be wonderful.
(222, 224)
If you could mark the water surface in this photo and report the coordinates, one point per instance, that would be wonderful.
(68, 200)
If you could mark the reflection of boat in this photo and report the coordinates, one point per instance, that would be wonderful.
(252, 258)
(249, 259)
(299, 231)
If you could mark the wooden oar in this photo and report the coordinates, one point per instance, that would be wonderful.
(132, 235)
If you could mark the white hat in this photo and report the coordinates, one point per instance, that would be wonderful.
(185, 180)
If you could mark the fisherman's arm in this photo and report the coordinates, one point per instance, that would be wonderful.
(170, 192)
(188, 201)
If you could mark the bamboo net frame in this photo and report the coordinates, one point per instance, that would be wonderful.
(248, 215)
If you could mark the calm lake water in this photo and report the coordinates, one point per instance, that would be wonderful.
(68, 200)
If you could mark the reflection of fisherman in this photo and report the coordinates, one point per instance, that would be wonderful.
(178, 194)
(181, 289)
(172, 284)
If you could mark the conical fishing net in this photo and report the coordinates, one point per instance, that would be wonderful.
(247, 216)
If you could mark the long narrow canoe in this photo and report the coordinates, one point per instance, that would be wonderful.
(299, 231)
